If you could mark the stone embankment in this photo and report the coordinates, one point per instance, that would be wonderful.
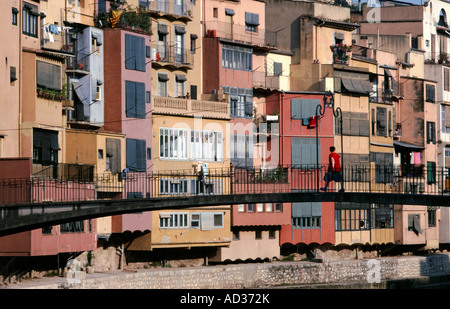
(373, 273)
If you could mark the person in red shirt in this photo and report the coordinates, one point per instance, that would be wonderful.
(334, 170)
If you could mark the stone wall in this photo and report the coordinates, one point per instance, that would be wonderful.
(267, 274)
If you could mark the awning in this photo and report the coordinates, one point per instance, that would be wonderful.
(357, 85)
(407, 145)
(387, 73)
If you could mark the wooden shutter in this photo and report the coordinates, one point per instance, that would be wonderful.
(113, 151)
(140, 100)
(277, 68)
(446, 79)
(130, 94)
(139, 45)
(141, 155)
(131, 154)
(130, 60)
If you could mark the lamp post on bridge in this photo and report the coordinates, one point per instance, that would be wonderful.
(328, 101)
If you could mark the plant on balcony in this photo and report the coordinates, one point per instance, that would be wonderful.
(48, 94)
(340, 52)
(134, 18)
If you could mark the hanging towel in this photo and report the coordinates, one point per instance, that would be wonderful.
(417, 158)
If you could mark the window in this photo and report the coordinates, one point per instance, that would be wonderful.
(382, 216)
(173, 220)
(351, 216)
(431, 132)
(302, 108)
(431, 172)
(173, 143)
(430, 93)
(215, 13)
(251, 207)
(193, 43)
(278, 207)
(14, 16)
(162, 85)
(135, 99)
(269, 207)
(179, 86)
(241, 208)
(237, 57)
(30, 20)
(113, 155)
(306, 215)
(241, 101)
(414, 223)
(277, 68)
(384, 168)
(241, 150)
(48, 75)
(47, 230)
(72, 227)
(12, 74)
(136, 154)
(259, 207)
(179, 44)
(45, 146)
(445, 118)
(251, 22)
(446, 79)
(272, 234)
(381, 122)
(134, 52)
(431, 216)
(195, 220)
(303, 152)
(258, 235)
(98, 93)
(173, 186)
(235, 235)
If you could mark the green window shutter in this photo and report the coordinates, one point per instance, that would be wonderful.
(316, 209)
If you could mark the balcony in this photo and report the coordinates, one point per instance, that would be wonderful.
(78, 64)
(57, 39)
(180, 106)
(341, 53)
(172, 56)
(175, 10)
(259, 38)
(382, 95)
(262, 81)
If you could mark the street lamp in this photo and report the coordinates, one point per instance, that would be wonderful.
(328, 101)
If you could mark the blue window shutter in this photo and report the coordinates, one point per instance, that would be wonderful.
(277, 68)
(130, 94)
(296, 109)
(140, 100)
(255, 19)
(131, 154)
(303, 152)
(248, 18)
(140, 53)
(193, 186)
(316, 209)
(147, 52)
(141, 149)
(296, 146)
(130, 61)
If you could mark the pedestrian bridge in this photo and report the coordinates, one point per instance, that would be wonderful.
(32, 203)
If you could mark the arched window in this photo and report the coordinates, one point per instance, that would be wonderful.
(442, 18)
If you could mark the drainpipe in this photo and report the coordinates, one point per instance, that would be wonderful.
(19, 132)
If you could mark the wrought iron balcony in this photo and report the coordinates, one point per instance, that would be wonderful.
(172, 56)
(256, 37)
(180, 9)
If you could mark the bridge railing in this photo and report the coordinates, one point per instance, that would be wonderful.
(364, 178)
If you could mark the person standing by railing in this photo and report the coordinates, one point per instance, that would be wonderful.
(334, 170)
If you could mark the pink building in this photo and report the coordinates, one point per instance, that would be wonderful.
(128, 109)
(67, 237)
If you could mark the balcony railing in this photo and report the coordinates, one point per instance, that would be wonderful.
(259, 37)
(64, 172)
(180, 106)
(172, 55)
(56, 39)
(367, 178)
(180, 8)
(78, 63)
(261, 80)
(382, 95)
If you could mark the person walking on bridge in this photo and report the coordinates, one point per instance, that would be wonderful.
(334, 170)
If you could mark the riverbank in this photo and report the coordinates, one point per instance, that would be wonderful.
(377, 273)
